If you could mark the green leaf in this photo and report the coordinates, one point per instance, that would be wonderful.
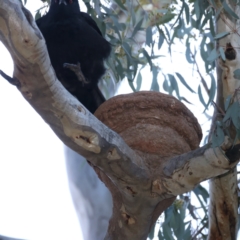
(187, 234)
(186, 12)
(149, 36)
(133, 16)
(213, 4)
(235, 115)
(218, 137)
(137, 27)
(201, 191)
(184, 82)
(229, 10)
(118, 66)
(167, 17)
(116, 26)
(168, 214)
(139, 81)
(205, 20)
(185, 100)
(188, 53)
(213, 55)
(155, 86)
(201, 97)
(127, 49)
(227, 102)
(151, 234)
(148, 58)
(230, 111)
(120, 4)
(166, 86)
(213, 88)
(222, 54)
(160, 235)
(197, 9)
(236, 74)
(174, 84)
(167, 233)
(131, 85)
(212, 26)
(161, 38)
(221, 35)
(38, 15)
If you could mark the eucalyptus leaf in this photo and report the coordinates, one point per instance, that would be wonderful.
(149, 36)
(161, 38)
(221, 35)
(139, 81)
(229, 10)
(227, 102)
(184, 82)
(222, 54)
(201, 97)
(213, 55)
(236, 74)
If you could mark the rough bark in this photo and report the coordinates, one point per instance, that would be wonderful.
(223, 208)
(139, 196)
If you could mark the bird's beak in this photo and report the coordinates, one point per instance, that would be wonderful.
(62, 1)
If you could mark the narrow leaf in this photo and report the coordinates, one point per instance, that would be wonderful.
(222, 54)
(213, 55)
(236, 74)
(149, 36)
(227, 102)
(184, 82)
(229, 10)
(221, 35)
(137, 27)
(139, 81)
(148, 58)
(165, 18)
(201, 96)
(161, 38)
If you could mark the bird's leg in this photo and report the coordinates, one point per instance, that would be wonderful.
(11, 80)
(77, 70)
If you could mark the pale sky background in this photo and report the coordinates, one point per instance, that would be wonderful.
(35, 201)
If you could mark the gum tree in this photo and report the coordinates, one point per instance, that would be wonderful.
(146, 174)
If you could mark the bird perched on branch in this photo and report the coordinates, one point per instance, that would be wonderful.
(77, 50)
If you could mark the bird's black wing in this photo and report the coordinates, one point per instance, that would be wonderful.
(84, 16)
(76, 39)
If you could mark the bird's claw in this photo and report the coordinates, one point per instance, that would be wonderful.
(76, 68)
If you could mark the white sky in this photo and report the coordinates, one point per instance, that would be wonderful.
(35, 201)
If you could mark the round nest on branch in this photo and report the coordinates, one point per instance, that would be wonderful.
(157, 126)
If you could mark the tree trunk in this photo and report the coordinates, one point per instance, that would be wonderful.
(223, 208)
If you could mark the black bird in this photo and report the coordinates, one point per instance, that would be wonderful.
(76, 47)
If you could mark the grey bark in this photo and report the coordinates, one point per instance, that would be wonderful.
(223, 206)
